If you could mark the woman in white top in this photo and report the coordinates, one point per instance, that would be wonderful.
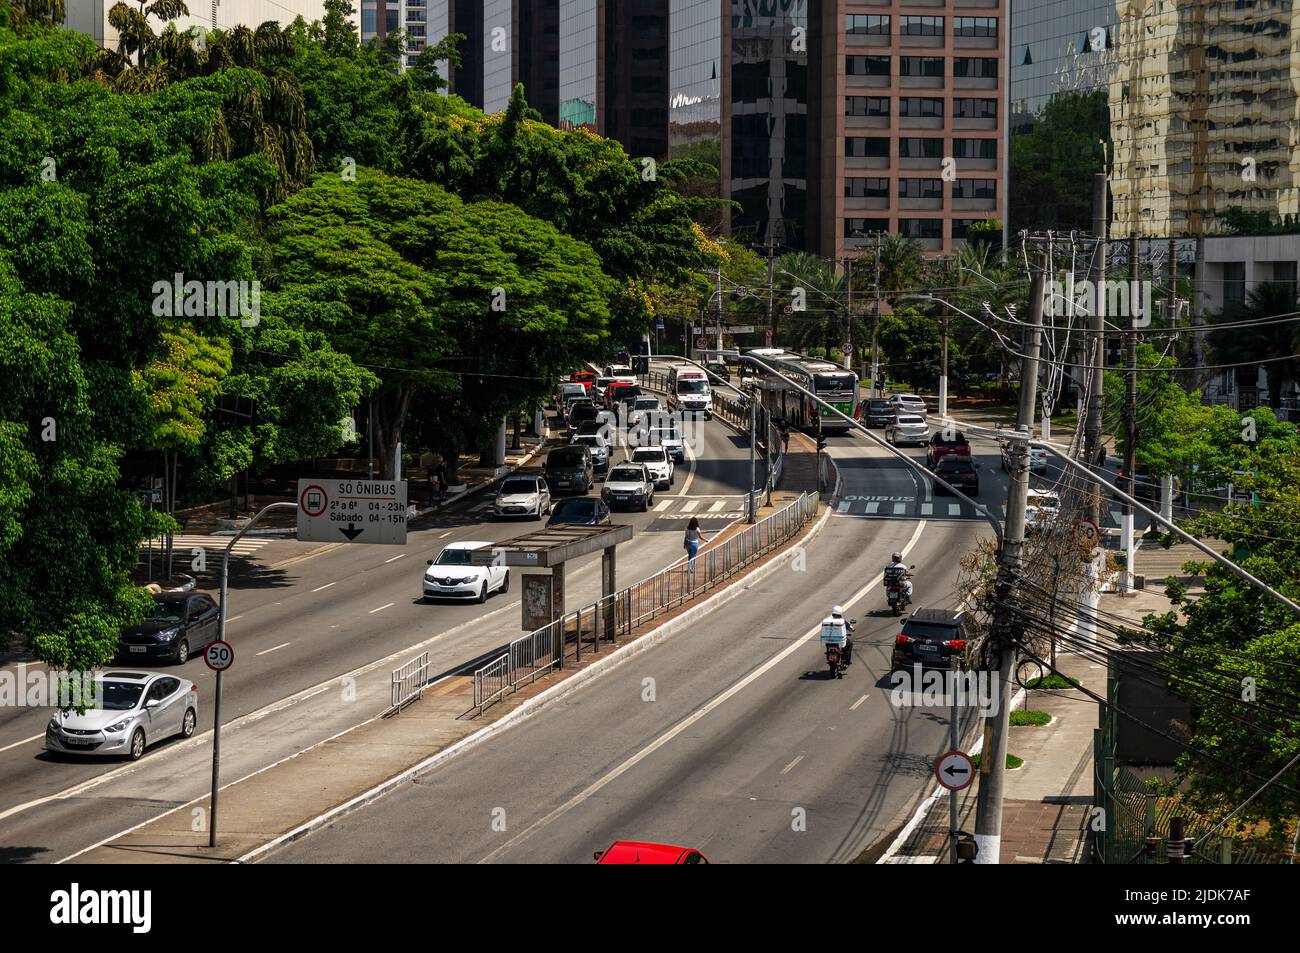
(691, 542)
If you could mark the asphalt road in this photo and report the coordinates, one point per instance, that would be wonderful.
(300, 628)
(729, 737)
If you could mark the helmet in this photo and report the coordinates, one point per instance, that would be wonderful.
(898, 557)
(837, 611)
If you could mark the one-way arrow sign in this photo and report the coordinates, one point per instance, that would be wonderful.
(954, 770)
(351, 532)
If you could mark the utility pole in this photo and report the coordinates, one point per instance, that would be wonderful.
(719, 355)
(943, 369)
(771, 266)
(753, 448)
(1093, 448)
(875, 326)
(848, 312)
(988, 810)
(1130, 421)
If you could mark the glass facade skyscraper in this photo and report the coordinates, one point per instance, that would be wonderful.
(579, 63)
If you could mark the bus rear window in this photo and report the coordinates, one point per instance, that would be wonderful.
(833, 382)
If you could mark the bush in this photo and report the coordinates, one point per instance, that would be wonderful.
(1032, 719)
(1052, 681)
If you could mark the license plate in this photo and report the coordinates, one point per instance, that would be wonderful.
(138, 648)
(922, 647)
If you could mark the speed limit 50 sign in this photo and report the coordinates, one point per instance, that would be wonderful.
(219, 656)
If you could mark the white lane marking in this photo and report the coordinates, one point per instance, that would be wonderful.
(234, 618)
(788, 767)
(381, 608)
(395, 558)
(843, 507)
(695, 716)
(662, 505)
(273, 648)
(854, 706)
(446, 534)
(689, 505)
(326, 586)
(954, 509)
(717, 505)
(873, 506)
(23, 742)
(900, 509)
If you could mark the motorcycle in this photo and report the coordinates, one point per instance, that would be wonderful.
(839, 658)
(896, 592)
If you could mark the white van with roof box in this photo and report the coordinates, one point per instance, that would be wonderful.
(689, 391)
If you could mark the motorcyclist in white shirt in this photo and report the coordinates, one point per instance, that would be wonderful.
(900, 569)
(837, 614)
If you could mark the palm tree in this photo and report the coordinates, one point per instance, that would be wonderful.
(1253, 345)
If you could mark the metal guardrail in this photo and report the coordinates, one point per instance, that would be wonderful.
(617, 616)
(410, 679)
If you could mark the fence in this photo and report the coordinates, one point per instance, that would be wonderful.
(616, 617)
(410, 679)
(1132, 812)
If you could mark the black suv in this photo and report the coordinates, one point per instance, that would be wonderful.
(933, 637)
(570, 468)
(959, 472)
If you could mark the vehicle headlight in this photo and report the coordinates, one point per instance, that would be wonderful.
(119, 725)
(53, 725)
(168, 634)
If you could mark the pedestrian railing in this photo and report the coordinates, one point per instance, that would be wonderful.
(409, 680)
(616, 617)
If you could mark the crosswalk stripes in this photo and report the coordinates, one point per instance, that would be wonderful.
(245, 547)
(898, 507)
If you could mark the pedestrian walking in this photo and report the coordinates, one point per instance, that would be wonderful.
(431, 478)
(441, 473)
(691, 543)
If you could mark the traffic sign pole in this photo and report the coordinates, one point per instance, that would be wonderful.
(221, 637)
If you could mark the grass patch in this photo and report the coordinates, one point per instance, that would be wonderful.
(1012, 761)
(1033, 719)
(1052, 681)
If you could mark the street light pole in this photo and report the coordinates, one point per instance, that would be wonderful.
(221, 636)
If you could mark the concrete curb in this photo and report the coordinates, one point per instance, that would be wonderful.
(539, 702)
(422, 512)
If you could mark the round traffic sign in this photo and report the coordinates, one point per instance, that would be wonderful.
(314, 500)
(847, 347)
(219, 656)
(954, 770)
(1086, 534)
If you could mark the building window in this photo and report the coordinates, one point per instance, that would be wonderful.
(975, 26)
(921, 227)
(866, 65)
(859, 188)
(920, 66)
(985, 67)
(922, 26)
(915, 148)
(975, 148)
(862, 227)
(920, 188)
(866, 106)
(975, 189)
(975, 108)
(920, 106)
(1234, 282)
(866, 23)
(868, 146)
(1284, 272)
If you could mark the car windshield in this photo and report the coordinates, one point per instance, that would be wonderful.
(119, 696)
(957, 465)
(167, 610)
(453, 557)
(564, 458)
(625, 474)
(911, 421)
(647, 403)
(879, 404)
(511, 487)
(692, 387)
(648, 454)
(581, 506)
(955, 440)
(923, 630)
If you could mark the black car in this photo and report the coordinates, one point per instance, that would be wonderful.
(570, 468)
(719, 369)
(180, 624)
(876, 412)
(959, 472)
(582, 412)
(579, 511)
(935, 638)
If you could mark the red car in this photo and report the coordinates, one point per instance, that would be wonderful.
(586, 378)
(946, 443)
(643, 852)
(620, 391)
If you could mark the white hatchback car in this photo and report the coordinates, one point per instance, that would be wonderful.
(453, 576)
(909, 403)
(522, 496)
(907, 428)
(132, 711)
(659, 464)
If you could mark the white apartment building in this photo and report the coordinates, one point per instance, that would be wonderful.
(91, 16)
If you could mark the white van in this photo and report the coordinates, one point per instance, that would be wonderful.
(689, 391)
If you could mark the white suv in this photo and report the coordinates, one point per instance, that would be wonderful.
(657, 462)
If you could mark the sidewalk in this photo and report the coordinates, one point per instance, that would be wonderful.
(1048, 800)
